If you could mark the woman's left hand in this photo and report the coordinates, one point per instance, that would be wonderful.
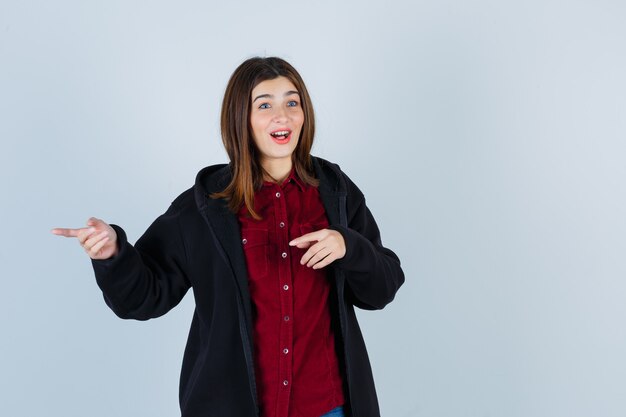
(324, 245)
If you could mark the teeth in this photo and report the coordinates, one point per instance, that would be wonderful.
(281, 133)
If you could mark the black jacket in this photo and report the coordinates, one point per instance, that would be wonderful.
(196, 243)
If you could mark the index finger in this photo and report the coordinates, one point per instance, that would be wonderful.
(67, 232)
(309, 237)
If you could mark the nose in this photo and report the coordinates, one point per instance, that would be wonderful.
(280, 114)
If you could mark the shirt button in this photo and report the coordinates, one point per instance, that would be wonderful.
(285, 287)
(285, 382)
(284, 254)
(244, 241)
(285, 351)
(281, 224)
(277, 195)
(286, 318)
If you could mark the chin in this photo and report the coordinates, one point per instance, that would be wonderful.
(279, 157)
(282, 152)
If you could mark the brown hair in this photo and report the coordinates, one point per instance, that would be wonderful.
(237, 136)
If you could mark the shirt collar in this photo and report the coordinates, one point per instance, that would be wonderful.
(292, 177)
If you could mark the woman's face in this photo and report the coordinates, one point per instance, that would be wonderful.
(276, 118)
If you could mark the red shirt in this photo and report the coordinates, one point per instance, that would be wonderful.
(297, 370)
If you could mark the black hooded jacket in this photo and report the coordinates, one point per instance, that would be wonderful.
(196, 243)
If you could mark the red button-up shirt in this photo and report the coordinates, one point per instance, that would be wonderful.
(297, 370)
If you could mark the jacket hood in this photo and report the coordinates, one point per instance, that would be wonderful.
(213, 178)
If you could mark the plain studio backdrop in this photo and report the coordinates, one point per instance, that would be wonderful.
(488, 137)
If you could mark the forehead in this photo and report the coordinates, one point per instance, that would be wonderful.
(275, 86)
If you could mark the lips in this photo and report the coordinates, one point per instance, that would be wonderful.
(281, 136)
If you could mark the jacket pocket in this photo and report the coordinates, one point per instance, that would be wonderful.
(255, 246)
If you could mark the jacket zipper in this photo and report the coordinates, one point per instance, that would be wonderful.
(340, 281)
(247, 351)
(243, 331)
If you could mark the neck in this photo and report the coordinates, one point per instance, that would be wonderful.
(277, 169)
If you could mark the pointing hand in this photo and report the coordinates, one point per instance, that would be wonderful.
(324, 246)
(98, 239)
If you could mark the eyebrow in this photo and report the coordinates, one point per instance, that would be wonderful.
(288, 93)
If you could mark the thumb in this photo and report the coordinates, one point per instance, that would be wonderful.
(92, 221)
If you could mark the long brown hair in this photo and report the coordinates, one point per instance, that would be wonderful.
(237, 133)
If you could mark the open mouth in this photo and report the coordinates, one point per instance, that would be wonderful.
(281, 136)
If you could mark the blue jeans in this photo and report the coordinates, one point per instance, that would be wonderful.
(336, 412)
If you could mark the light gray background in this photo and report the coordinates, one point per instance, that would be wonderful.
(488, 137)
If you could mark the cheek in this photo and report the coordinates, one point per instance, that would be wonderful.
(258, 124)
(299, 120)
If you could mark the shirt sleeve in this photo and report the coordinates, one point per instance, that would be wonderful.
(148, 279)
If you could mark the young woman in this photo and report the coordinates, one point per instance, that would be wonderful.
(278, 246)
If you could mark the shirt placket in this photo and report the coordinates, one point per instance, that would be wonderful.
(285, 290)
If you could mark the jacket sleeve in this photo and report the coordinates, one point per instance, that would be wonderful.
(146, 280)
(373, 273)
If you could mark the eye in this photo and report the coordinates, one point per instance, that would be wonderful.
(292, 103)
(264, 106)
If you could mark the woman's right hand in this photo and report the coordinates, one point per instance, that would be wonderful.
(98, 239)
